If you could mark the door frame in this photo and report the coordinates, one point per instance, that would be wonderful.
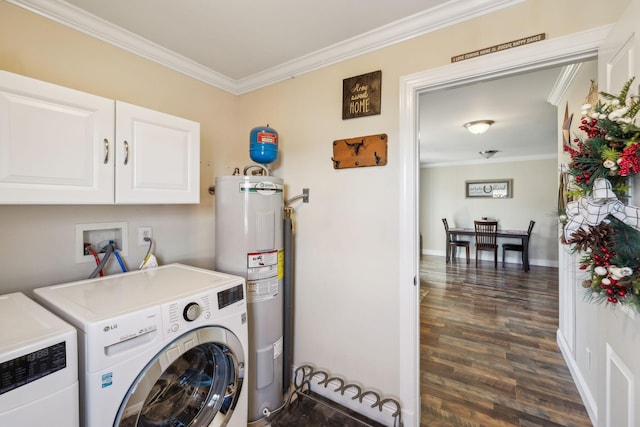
(571, 48)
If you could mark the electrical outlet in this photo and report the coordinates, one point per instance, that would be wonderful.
(144, 232)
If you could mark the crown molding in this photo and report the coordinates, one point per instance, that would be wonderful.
(448, 14)
(489, 161)
(563, 82)
(77, 19)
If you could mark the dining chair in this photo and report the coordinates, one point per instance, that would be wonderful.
(454, 244)
(487, 239)
(519, 247)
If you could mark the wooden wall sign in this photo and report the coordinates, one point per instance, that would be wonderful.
(358, 152)
(361, 95)
(499, 47)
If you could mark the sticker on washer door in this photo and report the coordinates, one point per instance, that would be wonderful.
(107, 379)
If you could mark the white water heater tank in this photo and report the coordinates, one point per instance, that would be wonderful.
(249, 244)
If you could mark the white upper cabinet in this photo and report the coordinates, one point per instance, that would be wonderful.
(56, 144)
(63, 146)
(157, 157)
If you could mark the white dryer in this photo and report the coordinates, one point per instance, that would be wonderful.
(38, 366)
(159, 347)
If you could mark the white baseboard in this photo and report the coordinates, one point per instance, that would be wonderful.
(485, 257)
(587, 398)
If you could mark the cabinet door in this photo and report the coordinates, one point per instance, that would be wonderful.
(157, 157)
(55, 144)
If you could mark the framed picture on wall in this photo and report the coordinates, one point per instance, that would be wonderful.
(495, 189)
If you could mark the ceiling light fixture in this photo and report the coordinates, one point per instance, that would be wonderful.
(478, 126)
(488, 153)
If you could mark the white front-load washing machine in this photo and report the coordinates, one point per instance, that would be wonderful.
(38, 366)
(159, 347)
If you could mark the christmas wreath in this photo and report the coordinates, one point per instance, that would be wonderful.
(598, 221)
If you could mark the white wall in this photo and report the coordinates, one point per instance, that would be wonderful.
(442, 195)
(578, 326)
(600, 341)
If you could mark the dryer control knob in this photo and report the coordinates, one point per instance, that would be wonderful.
(191, 312)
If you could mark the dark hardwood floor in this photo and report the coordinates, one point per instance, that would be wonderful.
(488, 351)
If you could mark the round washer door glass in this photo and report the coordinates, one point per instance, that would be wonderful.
(196, 386)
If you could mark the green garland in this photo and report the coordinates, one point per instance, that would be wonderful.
(616, 244)
(611, 249)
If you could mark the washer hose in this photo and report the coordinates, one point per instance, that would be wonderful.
(105, 258)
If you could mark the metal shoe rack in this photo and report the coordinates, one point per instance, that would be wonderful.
(306, 377)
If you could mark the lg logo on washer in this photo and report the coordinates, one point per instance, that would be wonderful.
(111, 327)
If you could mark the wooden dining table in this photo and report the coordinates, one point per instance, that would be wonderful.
(510, 234)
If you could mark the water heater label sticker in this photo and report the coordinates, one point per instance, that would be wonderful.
(258, 273)
(258, 260)
(280, 264)
(262, 275)
(278, 346)
(262, 290)
(264, 188)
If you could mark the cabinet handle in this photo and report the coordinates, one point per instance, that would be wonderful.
(126, 153)
(106, 151)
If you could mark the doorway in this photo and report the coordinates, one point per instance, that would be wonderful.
(563, 50)
(524, 135)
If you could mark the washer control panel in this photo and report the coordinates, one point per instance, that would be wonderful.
(30, 367)
(201, 309)
(179, 315)
(230, 296)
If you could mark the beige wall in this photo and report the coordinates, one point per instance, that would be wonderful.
(38, 241)
(442, 195)
(347, 304)
(347, 301)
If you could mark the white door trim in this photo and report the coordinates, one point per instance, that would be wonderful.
(552, 52)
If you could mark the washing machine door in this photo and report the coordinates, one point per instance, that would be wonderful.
(194, 381)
